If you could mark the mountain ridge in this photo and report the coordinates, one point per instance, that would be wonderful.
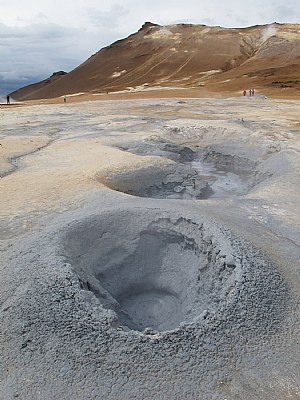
(220, 59)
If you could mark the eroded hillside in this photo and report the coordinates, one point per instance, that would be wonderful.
(186, 56)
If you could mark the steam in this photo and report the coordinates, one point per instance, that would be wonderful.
(268, 32)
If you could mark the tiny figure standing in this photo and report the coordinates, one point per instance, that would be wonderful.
(244, 93)
(7, 99)
(65, 98)
(252, 92)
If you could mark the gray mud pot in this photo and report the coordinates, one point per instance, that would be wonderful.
(175, 181)
(161, 272)
(195, 174)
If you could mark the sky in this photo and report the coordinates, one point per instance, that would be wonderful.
(39, 37)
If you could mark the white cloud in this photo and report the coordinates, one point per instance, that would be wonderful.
(109, 19)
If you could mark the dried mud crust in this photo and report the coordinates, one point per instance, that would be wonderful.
(160, 272)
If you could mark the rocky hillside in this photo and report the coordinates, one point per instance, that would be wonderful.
(193, 56)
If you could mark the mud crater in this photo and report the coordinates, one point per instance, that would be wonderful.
(197, 173)
(159, 271)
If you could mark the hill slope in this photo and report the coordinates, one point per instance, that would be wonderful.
(184, 55)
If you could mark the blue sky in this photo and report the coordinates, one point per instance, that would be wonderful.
(39, 37)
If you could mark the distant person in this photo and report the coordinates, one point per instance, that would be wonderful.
(7, 99)
(65, 98)
(252, 92)
(244, 93)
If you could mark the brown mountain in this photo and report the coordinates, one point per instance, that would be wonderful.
(265, 57)
(35, 87)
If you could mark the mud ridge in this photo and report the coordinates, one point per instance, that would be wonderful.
(14, 160)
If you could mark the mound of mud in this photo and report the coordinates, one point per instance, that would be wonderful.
(160, 270)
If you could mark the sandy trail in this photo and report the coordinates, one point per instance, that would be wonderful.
(150, 246)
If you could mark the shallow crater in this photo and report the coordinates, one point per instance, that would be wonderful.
(196, 173)
(160, 270)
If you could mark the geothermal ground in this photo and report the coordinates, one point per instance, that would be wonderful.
(150, 250)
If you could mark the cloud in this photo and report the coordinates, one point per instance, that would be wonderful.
(286, 12)
(34, 51)
(31, 52)
(107, 19)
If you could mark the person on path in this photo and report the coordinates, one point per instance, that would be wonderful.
(65, 98)
(244, 93)
(8, 99)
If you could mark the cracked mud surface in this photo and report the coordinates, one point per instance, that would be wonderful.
(150, 250)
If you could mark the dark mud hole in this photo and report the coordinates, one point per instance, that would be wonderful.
(195, 174)
(158, 270)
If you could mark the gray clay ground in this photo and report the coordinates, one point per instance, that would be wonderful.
(150, 250)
